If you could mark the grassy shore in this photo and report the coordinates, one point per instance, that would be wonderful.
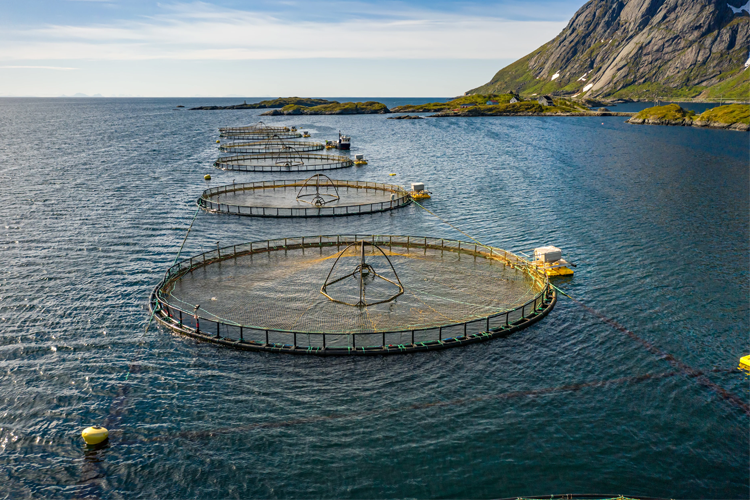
(731, 116)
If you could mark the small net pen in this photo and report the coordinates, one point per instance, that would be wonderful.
(287, 160)
(270, 145)
(258, 127)
(260, 135)
(317, 196)
(351, 295)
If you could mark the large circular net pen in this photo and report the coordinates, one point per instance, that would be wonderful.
(351, 295)
(317, 196)
(288, 160)
(274, 144)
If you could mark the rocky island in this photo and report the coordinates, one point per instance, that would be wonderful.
(730, 117)
(332, 108)
(272, 103)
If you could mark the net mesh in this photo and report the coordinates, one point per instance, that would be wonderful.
(280, 290)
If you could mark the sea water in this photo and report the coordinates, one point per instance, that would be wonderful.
(625, 390)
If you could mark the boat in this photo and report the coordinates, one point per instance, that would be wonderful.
(344, 142)
(305, 133)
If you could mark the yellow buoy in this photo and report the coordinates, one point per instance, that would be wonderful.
(744, 363)
(207, 177)
(95, 434)
(218, 141)
(391, 175)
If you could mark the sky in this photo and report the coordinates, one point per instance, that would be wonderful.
(229, 48)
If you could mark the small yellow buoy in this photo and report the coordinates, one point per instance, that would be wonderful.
(207, 177)
(391, 175)
(95, 434)
(218, 141)
(744, 363)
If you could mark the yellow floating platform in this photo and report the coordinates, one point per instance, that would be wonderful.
(360, 162)
(554, 270)
(744, 363)
(419, 196)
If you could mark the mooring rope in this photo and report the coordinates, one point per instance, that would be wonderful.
(687, 370)
(684, 368)
(451, 225)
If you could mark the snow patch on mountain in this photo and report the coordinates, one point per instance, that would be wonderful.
(739, 9)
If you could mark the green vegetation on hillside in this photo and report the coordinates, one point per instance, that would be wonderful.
(350, 108)
(476, 99)
(561, 106)
(736, 87)
(272, 103)
(334, 108)
(731, 113)
(299, 101)
(648, 91)
(670, 112)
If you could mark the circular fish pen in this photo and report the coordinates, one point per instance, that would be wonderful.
(351, 295)
(288, 160)
(317, 196)
(260, 135)
(271, 145)
(256, 128)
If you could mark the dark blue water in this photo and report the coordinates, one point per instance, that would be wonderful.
(98, 194)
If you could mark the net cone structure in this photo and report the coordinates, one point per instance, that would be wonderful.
(334, 295)
(270, 145)
(285, 160)
(365, 277)
(316, 196)
(318, 190)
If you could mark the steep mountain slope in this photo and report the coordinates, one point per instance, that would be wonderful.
(640, 49)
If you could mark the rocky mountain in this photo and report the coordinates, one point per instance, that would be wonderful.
(640, 49)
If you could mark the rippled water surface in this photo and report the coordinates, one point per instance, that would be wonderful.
(630, 388)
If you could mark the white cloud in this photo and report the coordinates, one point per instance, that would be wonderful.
(61, 68)
(204, 32)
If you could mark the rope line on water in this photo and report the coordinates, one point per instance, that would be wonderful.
(684, 368)
(179, 251)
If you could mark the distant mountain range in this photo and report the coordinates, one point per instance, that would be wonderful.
(640, 49)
